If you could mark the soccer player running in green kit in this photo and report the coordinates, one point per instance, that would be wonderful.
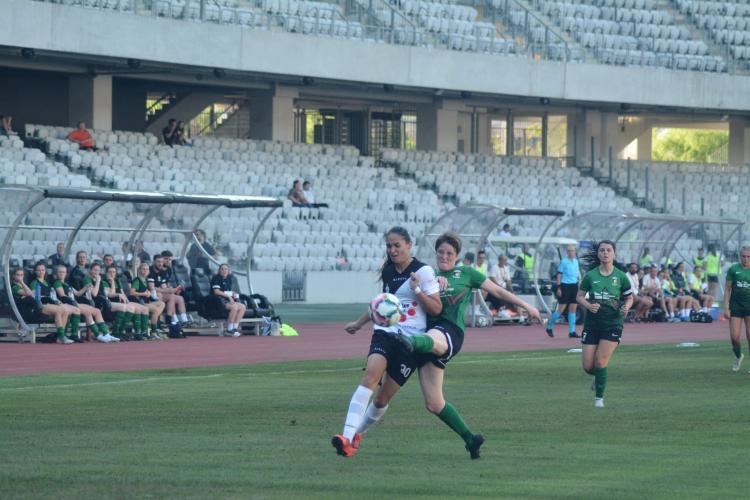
(737, 304)
(609, 300)
(445, 335)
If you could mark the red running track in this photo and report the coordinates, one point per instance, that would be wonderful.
(316, 342)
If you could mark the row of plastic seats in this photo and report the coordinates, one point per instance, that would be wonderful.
(722, 22)
(728, 9)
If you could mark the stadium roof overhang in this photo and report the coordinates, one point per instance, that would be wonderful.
(179, 214)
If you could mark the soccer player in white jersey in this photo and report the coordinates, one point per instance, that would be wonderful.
(413, 282)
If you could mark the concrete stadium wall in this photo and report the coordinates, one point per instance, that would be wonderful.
(45, 26)
(327, 287)
(34, 97)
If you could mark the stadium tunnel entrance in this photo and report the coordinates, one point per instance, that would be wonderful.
(119, 223)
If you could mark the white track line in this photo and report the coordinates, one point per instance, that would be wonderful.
(108, 382)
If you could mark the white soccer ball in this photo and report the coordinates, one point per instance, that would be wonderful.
(385, 310)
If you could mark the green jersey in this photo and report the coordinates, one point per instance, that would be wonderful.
(740, 279)
(139, 284)
(608, 291)
(456, 296)
(16, 289)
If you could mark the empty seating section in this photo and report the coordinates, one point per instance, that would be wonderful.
(364, 200)
(631, 32)
(726, 23)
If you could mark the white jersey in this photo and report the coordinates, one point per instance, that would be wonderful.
(414, 320)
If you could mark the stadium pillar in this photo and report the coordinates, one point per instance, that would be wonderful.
(437, 127)
(576, 136)
(645, 144)
(272, 114)
(737, 141)
(90, 100)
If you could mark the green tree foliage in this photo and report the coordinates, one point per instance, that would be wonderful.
(676, 144)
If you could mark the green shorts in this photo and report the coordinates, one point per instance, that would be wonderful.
(739, 310)
(592, 337)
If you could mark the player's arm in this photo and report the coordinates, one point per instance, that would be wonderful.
(354, 326)
(581, 297)
(425, 286)
(504, 295)
(727, 294)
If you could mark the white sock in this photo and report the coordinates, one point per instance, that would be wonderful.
(90, 322)
(372, 416)
(357, 408)
(232, 326)
(174, 320)
(183, 317)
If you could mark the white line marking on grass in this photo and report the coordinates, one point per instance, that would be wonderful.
(108, 382)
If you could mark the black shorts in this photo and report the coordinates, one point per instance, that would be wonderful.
(400, 364)
(713, 278)
(738, 310)
(455, 338)
(568, 292)
(592, 337)
(695, 295)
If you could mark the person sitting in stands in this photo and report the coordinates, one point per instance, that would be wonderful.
(79, 272)
(169, 134)
(296, 195)
(82, 137)
(175, 303)
(196, 256)
(58, 257)
(310, 196)
(93, 291)
(93, 316)
(143, 291)
(6, 125)
(226, 299)
(107, 260)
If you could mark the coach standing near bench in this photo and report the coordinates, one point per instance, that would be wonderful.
(737, 304)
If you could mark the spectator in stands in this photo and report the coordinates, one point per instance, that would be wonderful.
(67, 295)
(196, 256)
(310, 196)
(94, 291)
(26, 296)
(506, 231)
(646, 258)
(107, 260)
(170, 133)
(225, 299)
(652, 287)
(140, 252)
(79, 272)
(46, 297)
(181, 139)
(82, 137)
(680, 279)
(136, 314)
(714, 264)
(296, 195)
(500, 275)
(6, 125)
(143, 291)
(342, 263)
(58, 257)
(699, 289)
(481, 263)
(175, 303)
(641, 304)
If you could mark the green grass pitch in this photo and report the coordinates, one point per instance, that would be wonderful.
(675, 426)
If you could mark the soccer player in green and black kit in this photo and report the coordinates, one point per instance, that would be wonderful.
(737, 304)
(445, 334)
(606, 286)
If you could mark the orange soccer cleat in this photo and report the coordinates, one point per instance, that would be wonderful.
(343, 446)
(356, 441)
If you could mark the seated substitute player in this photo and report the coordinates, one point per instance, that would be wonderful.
(737, 304)
(175, 303)
(413, 282)
(44, 294)
(67, 295)
(606, 286)
(94, 291)
(567, 276)
(143, 291)
(680, 279)
(134, 313)
(699, 289)
(444, 339)
(79, 271)
(25, 295)
(224, 299)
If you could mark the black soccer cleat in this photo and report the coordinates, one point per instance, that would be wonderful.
(401, 340)
(476, 442)
(550, 333)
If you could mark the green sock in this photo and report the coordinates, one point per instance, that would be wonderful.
(154, 327)
(76, 323)
(60, 332)
(737, 351)
(118, 323)
(144, 324)
(94, 329)
(600, 381)
(103, 329)
(127, 321)
(453, 419)
(422, 343)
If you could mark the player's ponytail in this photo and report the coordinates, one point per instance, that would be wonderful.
(590, 259)
(400, 231)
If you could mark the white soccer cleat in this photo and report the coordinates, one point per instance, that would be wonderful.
(112, 338)
(64, 340)
(599, 403)
(103, 338)
(737, 363)
(236, 334)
